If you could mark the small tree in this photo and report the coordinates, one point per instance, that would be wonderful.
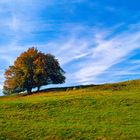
(32, 69)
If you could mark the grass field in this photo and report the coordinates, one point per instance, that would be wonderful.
(104, 112)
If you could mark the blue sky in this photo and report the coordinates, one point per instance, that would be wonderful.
(95, 41)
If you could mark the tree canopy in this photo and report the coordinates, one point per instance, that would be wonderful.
(32, 69)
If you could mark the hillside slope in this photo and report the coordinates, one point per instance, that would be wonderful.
(110, 111)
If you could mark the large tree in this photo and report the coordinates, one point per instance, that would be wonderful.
(32, 69)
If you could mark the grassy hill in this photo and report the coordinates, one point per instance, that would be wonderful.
(104, 112)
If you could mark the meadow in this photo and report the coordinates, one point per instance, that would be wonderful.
(100, 112)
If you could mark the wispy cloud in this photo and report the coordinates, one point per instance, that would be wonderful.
(91, 57)
(108, 53)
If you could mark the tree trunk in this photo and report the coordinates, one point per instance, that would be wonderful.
(38, 88)
(29, 90)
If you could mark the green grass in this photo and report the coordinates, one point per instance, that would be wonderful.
(104, 112)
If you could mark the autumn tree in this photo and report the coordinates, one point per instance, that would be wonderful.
(32, 69)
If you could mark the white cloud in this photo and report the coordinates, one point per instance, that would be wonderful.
(96, 54)
(14, 24)
(108, 53)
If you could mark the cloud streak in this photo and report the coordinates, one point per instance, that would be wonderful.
(96, 55)
(108, 53)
